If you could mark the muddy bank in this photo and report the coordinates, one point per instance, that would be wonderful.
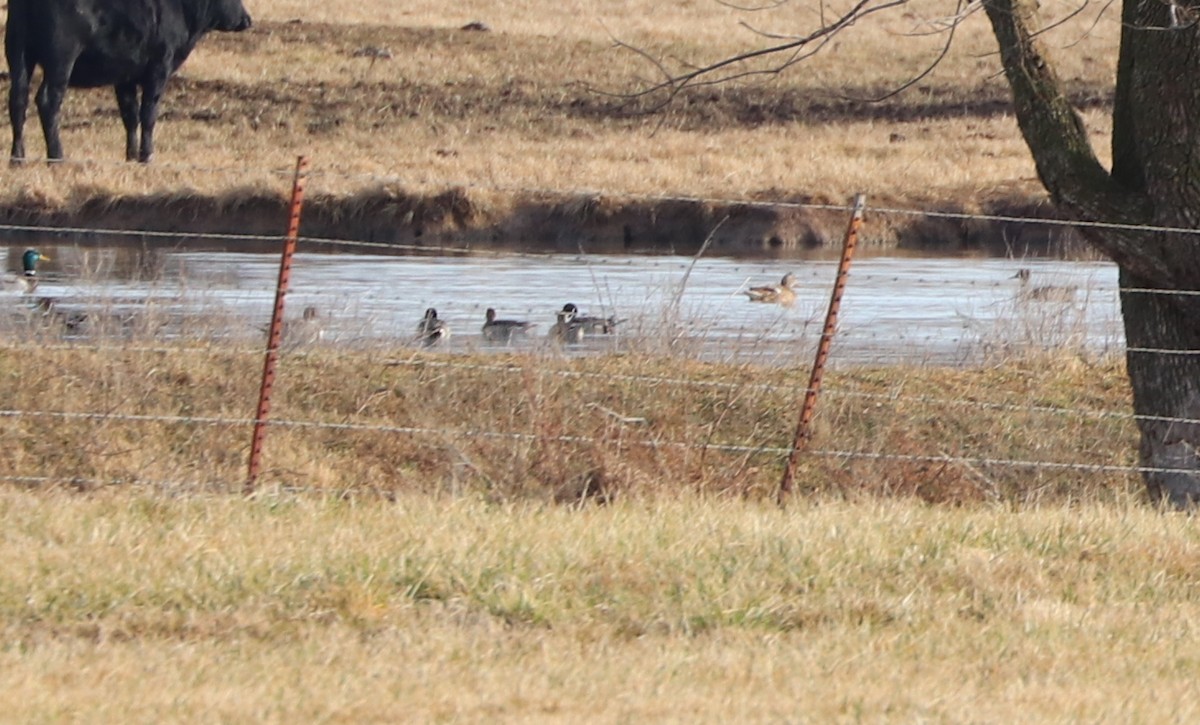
(779, 227)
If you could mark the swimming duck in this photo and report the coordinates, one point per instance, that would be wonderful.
(567, 328)
(27, 281)
(781, 293)
(48, 314)
(307, 330)
(502, 330)
(431, 330)
(1043, 293)
(594, 325)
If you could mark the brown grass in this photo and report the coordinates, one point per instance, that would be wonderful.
(432, 565)
(131, 606)
(544, 427)
(513, 109)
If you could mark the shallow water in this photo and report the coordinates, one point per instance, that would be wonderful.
(895, 309)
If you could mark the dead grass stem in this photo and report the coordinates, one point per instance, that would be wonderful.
(543, 427)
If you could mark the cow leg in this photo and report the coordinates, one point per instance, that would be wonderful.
(152, 92)
(18, 102)
(19, 72)
(49, 102)
(127, 102)
(149, 115)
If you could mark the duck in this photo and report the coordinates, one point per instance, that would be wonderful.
(502, 330)
(431, 330)
(25, 282)
(567, 328)
(308, 329)
(593, 325)
(781, 293)
(48, 312)
(1043, 293)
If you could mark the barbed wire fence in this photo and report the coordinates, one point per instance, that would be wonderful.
(891, 436)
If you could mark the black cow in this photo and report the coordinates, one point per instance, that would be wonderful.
(127, 44)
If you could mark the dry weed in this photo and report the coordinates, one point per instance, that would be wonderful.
(545, 427)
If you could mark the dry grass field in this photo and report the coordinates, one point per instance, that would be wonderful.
(524, 114)
(119, 607)
(540, 538)
(549, 539)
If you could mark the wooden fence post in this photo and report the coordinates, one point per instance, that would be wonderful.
(275, 335)
(804, 425)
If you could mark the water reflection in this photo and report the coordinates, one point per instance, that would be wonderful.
(895, 309)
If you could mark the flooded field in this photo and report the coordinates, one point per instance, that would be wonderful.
(895, 309)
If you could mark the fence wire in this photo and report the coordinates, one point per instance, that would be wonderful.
(427, 250)
(786, 390)
(630, 435)
(376, 180)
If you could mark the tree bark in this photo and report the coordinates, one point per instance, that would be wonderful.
(1154, 182)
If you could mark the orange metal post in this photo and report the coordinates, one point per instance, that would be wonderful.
(804, 426)
(276, 331)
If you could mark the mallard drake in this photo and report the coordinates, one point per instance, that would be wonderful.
(592, 325)
(502, 330)
(26, 281)
(1045, 292)
(431, 330)
(566, 327)
(781, 293)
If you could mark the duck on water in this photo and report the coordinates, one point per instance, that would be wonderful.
(1044, 292)
(590, 325)
(25, 282)
(495, 330)
(567, 328)
(431, 330)
(781, 294)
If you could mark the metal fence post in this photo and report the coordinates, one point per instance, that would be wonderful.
(804, 425)
(275, 335)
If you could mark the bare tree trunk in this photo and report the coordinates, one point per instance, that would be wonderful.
(1166, 390)
(1155, 182)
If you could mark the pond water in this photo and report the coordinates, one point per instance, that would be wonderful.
(895, 309)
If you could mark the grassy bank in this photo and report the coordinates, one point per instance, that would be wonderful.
(528, 109)
(541, 426)
(137, 607)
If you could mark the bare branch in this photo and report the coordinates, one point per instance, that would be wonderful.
(755, 8)
(764, 33)
(943, 24)
(796, 49)
(960, 15)
(709, 74)
(1099, 17)
(1063, 20)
